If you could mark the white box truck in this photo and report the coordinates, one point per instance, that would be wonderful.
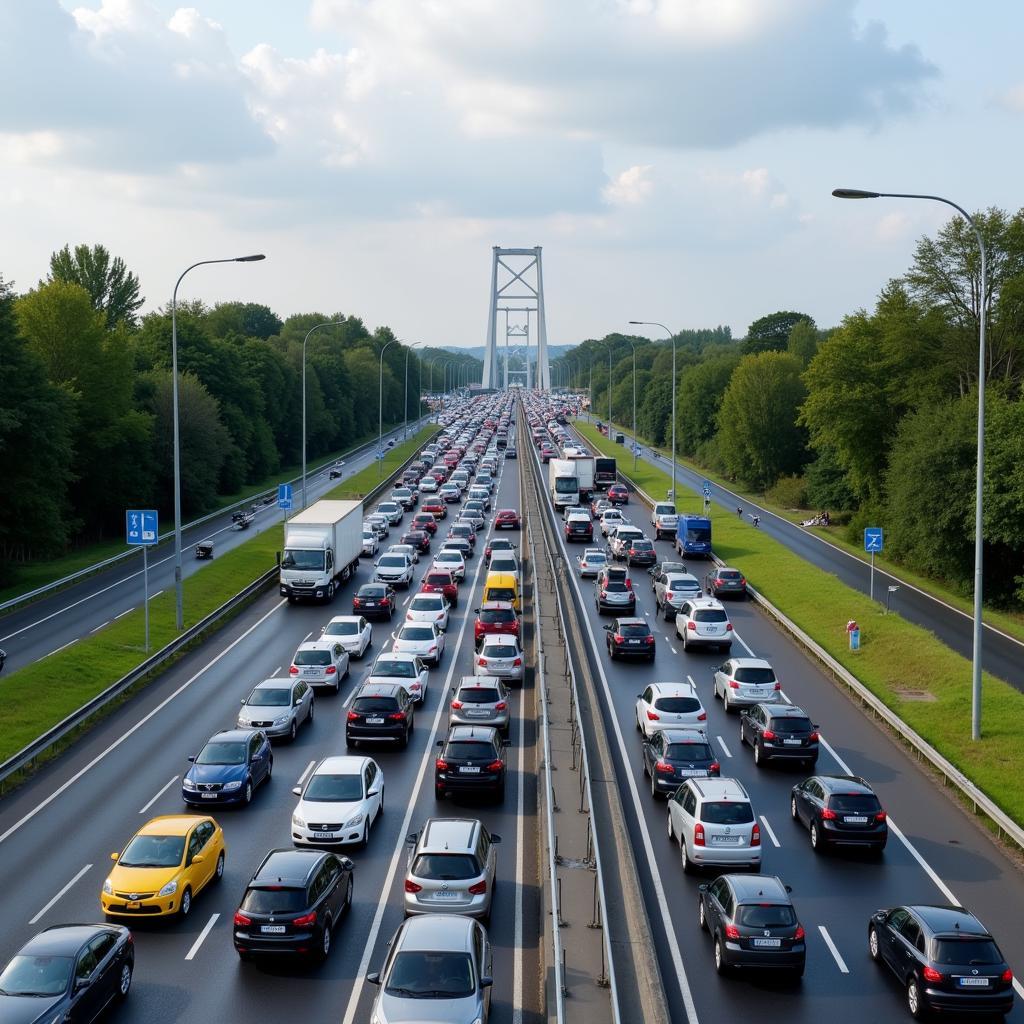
(584, 474)
(564, 483)
(322, 545)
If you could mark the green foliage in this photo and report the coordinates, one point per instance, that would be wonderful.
(827, 488)
(701, 388)
(245, 319)
(789, 492)
(113, 289)
(771, 333)
(803, 341)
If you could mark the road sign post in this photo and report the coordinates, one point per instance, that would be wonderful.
(873, 542)
(284, 498)
(142, 528)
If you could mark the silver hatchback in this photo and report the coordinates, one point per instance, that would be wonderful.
(500, 656)
(451, 868)
(277, 706)
(481, 701)
(741, 682)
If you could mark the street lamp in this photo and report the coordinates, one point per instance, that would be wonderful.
(672, 338)
(633, 347)
(380, 411)
(405, 430)
(856, 193)
(179, 610)
(329, 323)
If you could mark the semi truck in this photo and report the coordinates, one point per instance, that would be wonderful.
(605, 473)
(322, 545)
(563, 482)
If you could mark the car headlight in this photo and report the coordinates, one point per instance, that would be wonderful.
(283, 720)
(188, 784)
(232, 786)
(297, 821)
(169, 889)
(352, 822)
(243, 722)
(108, 888)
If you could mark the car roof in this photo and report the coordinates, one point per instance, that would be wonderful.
(318, 645)
(395, 655)
(719, 789)
(684, 735)
(472, 732)
(785, 711)
(345, 618)
(64, 939)
(172, 824)
(673, 689)
(435, 932)
(274, 683)
(706, 602)
(448, 835)
(750, 663)
(378, 690)
(948, 918)
(287, 865)
(669, 576)
(239, 735)
(751, 888)
(846, 783)
(496, 606)
(341, 764)
(631, 621)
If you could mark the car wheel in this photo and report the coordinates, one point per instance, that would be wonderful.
(671, 831)
(325, 941)
(124, 983)
(186, 903)
(915, 1005)
(792, 808)
(702, 919)
(757, 754)
(347, 905)
(309, 717)
(292, 730)
(330, 592)
(365, 836)
(654, 784)
(721, 967)
(685, 645)
(873, 951)
(247, 799)
(218, 871)
(684, 857)
(816, 842)
(743, 734)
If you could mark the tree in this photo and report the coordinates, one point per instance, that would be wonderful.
(803, 341)
(245, 319)
(771, 332)
(112, 288)
(758, 436)
(700, 394)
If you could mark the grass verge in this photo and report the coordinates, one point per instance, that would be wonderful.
(895, 655)
(359, 485)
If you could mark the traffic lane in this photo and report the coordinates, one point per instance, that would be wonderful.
(43, 627)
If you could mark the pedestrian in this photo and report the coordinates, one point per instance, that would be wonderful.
(739, 512)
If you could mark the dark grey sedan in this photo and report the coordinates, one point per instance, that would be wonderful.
(725, 580)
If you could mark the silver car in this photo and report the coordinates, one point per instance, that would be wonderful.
(451, 868)
(480, 701)
(320, 663)
(740, 682)
(438, 968)
(715, 824)
(672, 589)
(703, 622)
(277, 706)
(592, 561)
(395, 569)
(501, 656)
(392, 509)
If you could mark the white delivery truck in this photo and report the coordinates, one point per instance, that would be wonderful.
(322, 545)
(564, 484)
(584, 474)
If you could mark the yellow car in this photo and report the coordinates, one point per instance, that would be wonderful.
(164, 866)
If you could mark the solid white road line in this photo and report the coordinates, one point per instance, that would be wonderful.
(517, 963)
(308, 635)
(190, 955)
(743, 643)
(725, 749)
(96, 629)
(771, 834)
(153, 597)
(59, 894)
(302, 777)
(277, 670)
(672, 649)
(57, 650)
(121, 615)
(840, 962)
(29, 815)
(160, 792)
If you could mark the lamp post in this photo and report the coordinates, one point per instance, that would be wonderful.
(633, 347)
(408, 351)
(672, 338)
(178, 606)
(328, 323)
(380, 411)
(979, 479)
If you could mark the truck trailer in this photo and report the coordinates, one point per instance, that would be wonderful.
(322, 545)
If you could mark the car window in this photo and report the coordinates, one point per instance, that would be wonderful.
(910, 930)
(469, 750)
(334, 788)
(688, 751)
(753, 674)
(710, 615)
(86, 964)
(726, 812)
(254, 747)
(690, 802)
(799, 726)
(315, 657)
(677, 705)
(766, 915)
(446, 867)
(395, 669)
(367, 705)
(195, 844)
(969, 950)
(637, 629)
(416, 633)
(431, 974)
(278, 900)
(479, 695)
(854, 803)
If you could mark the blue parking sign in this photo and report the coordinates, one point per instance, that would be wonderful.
(873, 541)
(284, 496)
(141, 526)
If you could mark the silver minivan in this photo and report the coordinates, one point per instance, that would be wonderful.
(715, 824)
(481, 701)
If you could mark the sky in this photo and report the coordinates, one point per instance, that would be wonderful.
(674, 158)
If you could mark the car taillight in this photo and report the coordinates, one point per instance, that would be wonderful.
(692, 626)
(440, 618)
(432, 649)
(652, 717)
(731, 931)
(768, 734)
(619, 639)
(755, 835)
(716, 582)
(932, 975)
(441, 764)
(881, 816)
(306, 921)
(664, 767)
(714, 768)
(604, 594)
(799, 934)
(650, 641)
(517, 663)
(481, 661)
(733, 685)
(1006, 976)
(294, 670)
(778, 686)
(356, 603)
(330, 670)
(478, 888)
(728, 627)
(353, 717)
(702, 717)
(495, 766)
(241, 921)
(399, 716)
(743, 580)
(827, 814)
(411, 886)
(629, 584)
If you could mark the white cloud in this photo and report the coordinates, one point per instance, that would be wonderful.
(1013, 99)
(893, 227)
(631, 187)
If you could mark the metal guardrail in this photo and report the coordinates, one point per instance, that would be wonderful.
(29, 753)
(981, 802)
(89, 570)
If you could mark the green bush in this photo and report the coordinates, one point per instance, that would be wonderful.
(789, 492)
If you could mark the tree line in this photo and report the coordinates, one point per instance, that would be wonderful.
(874, 419)
(86, 425)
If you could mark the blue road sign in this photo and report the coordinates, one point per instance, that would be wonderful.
(284, 496)
(873, 539)
(141, 526)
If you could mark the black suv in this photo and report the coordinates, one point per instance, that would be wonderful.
(292, 904)
(630, 637)
(380, 712)
(375, 599)
(641, 552)
(839, 810)
(944, 958)
(752, 923)
(779, 732)
(671, 756)
(472, 760)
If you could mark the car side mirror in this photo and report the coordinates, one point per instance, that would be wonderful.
(879, 915)
(789, 888)
(703, 887)
(297, 790)
(413, 838)
(815, 726)
(486, 981)
(394, 636)
(440, 743)
(495, 839)
(373, 791)
(242, 701)
(346, 863)
(608, 628)
(373, 978)
(198, 858)
(114, 856)
(192, 758)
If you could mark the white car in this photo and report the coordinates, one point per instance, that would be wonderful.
(621, 540)
(428, 485)
(592, 561)
(450, 492)
(482, 494)
(379, 523)
(610, 519)
(669, 706)
(406, 669)
(353, 632)
(371, 545)
(505, 561)
(474, 516)
(500, 655)
(395, 570)
(339, 802)
(320, 663)
(460, 478)
(429, 608)
(408, 550)
(392, 510)
(664, 519)
(451, 560)
(421, 638)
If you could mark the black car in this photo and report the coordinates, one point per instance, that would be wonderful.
(641, 552)
(510, 452)
(779, 732)
(375, 599)
(292, 904)
(630, 638)
(662, 569)
(471, 760)
(463, 531)
(944, 958)
(419, 539)
(674, 755)
(68, 972)
(380, 712)
(753, 923)
(725, 581)
(839, 810)
(228, 768)
(459, 544)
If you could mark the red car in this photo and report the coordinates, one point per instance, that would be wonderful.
(506, 519)
(425, 521)
(436, 507)
(495, 617)
(618, 495)
(441, 581)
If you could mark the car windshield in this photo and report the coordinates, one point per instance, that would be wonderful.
(765, 915)
(269, 697)
(337, 788)
(36, 976)
(637, 629)
(469, 750)
(667, 567)
(855, 803)
(749, 674)
(491, 616)
(368, 535)
(424, 974)
(153, 852)
(566, 484)
(447, 555)
(726, 812)
(677, 705)
(974, 951)
(416, 633)
(446, 867)
(278, 899)
(222, 752)
(479, 695)
(710, 615)
(313, 657)
(397, 561)
(689, 752)
(296, 558)
(492, 650)
(398, 669)
(799, 726)
(368, 705)
(342, 629)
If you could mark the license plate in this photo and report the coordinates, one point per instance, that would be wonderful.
(758, 691)
(209, 796)
(635, 643)
(687, 772)
(768, 943)
(791, 742)
(726, 840)
(272, 929)
(323, 835)
(477, 714)
(442, 896)
(370, 604)
(855, 819)
(134, 905)
(974, 982)
(375, 721)
(711, 630)
(468, 770)
(314, 671)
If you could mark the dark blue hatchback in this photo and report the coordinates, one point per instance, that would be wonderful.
(228, 768)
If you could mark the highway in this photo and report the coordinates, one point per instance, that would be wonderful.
(1002, 654)
(43, 627)
(58, 830)
(935, 853)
